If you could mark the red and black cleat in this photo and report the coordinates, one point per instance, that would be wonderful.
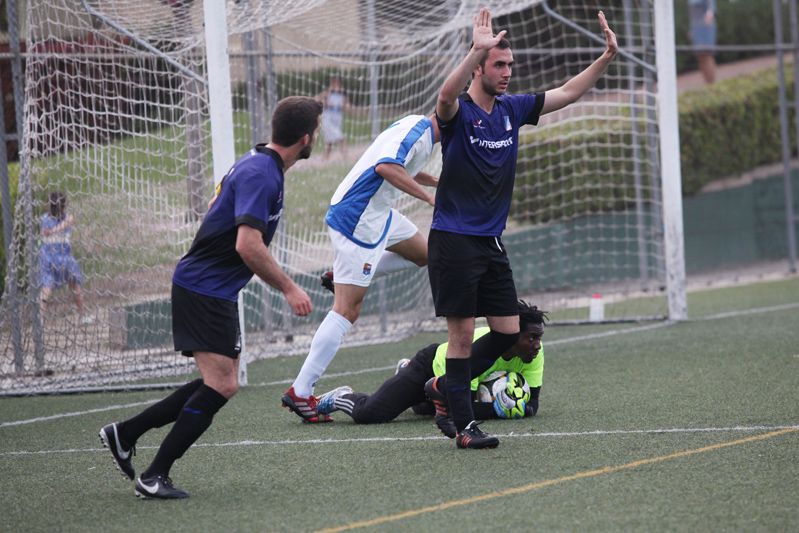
(475, 438)
(439, 399)
(305, 408)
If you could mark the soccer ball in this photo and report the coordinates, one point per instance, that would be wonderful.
(513, 383)
(485, 390)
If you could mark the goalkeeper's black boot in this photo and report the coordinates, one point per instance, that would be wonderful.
(475, 438)
(439, 399)
(109, 436)
(159, 487)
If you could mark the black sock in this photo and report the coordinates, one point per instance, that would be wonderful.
(485, 352)
(157, 415)
(459, 393)
(195, 417)
(484, 411)
(488, 348)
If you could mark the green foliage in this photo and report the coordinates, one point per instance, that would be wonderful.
(730, 127)
(13, 177)
(586, 168)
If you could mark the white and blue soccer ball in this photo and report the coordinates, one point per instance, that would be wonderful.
(513, 383)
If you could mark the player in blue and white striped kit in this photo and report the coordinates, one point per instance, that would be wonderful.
(369, 238)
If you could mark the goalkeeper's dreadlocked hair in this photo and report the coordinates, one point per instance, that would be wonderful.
(530, 314)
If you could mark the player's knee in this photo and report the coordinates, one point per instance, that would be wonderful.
(227, 387)
(460, 345)
(350, 313)
(231, 390)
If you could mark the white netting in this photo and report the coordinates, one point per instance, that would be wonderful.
(117, 119)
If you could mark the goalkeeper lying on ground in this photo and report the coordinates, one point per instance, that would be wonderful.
(406, 388)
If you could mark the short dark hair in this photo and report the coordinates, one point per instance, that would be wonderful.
(530, 314)
(503, 44)
(294, 117)
(58, 204)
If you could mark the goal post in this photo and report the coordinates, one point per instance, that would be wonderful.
(135, 108)
(671, 175)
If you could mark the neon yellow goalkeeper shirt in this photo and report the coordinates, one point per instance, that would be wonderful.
(533, 371)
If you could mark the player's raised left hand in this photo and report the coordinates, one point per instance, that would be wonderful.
(610, 37)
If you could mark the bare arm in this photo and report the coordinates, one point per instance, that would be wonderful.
(483, 40)
(250, 246)
(399, 178)
(61, 226)
(423, 178)
(576, 87)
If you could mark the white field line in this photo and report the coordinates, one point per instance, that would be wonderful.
(74, 413)
(611, 333)
(326, 376)
(581, 338)
(526, 435)
(757, 310)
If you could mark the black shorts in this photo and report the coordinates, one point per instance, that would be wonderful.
(204, 324)
(470, 276)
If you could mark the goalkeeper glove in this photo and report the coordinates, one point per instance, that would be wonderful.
(507, 407)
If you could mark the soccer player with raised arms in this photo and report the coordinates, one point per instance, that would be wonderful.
(231, 245)
(370, 238)
(469, 271)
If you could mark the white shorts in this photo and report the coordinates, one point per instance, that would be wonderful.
(354, 264)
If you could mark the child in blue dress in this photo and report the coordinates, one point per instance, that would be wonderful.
(57, 265)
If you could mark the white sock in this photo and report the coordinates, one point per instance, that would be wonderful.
(324, 346)
(391, 262)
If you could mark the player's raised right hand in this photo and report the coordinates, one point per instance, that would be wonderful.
(483, 36)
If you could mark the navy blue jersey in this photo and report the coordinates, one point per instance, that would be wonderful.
(479, 163)
(251, 193)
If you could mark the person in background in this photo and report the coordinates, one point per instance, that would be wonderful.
(703, 36)
(334, 101)
(57, 265)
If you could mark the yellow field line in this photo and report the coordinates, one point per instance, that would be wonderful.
(549, 482)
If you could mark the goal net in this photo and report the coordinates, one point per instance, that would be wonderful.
(117, 122)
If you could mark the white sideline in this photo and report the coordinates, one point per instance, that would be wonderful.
(756, 310)
(581, 338)
(332, 375)
(512, 434)
(74, 413)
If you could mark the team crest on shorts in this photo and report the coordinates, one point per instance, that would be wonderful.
(367, 269)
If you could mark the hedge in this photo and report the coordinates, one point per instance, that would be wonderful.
(13, 176)
(578, 169)
(731, 127)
